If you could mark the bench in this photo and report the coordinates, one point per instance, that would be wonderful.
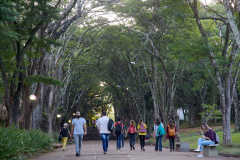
(210, 150)
(182, 147)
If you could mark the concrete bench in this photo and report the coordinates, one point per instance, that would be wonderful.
(182, 147)
(210, 150)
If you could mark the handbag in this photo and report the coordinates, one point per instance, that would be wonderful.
(161, 130)
(60, 137)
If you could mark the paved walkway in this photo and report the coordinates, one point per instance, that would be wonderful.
(92, 150)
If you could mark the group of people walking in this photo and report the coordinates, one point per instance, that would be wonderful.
(105, 125)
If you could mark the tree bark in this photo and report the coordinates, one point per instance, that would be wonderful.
(222, 81)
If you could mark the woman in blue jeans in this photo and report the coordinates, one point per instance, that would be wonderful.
(208, 138)
(158, 146)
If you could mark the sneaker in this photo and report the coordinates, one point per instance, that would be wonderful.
(133, 148)
(143, 149)
(200, 156)
(104, 152)
(130, 148)
(197, 150)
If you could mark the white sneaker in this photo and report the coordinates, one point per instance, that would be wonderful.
(200, 156)
(197, 150)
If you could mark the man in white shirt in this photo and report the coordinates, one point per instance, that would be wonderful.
(79, 129)
(102, 126)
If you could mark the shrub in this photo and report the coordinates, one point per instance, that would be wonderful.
(16, 143)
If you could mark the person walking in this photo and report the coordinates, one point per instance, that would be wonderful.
(159, 132)
(102, 126)
(118, 128)
(64, 132)
(93, 123)
(88, 122)
(208, 138)
(79, 129)
(132, 134)
(123, 135)
(142, 130)
(171, 132)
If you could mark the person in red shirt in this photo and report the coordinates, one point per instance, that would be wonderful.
(118, 127)
(171, 133)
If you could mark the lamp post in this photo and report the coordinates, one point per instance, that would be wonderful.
(33, 98)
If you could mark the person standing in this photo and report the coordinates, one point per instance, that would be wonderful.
(142, 130)
(171, 132)
(158, 146)
(102, 126)
(64, 132)
(79, 129)
(118, 127)
(132, 134)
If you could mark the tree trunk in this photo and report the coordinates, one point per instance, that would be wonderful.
(237, 117)
(26, 108)
(176, 119)
(50, 122)
(236, 105)
(15, 114)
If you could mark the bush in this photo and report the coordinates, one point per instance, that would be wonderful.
(17, 144)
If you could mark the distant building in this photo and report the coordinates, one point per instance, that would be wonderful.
(180, 113)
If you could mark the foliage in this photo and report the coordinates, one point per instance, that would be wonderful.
(18, 143)
(45, 80)
(210, 112)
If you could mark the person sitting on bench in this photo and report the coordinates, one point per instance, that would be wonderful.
(207, 138)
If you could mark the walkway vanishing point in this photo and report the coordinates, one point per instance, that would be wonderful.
(92, 150)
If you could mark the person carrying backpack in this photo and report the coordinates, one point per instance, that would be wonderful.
(142, 130)
(171, 132)
(208, 138)
(132, 135)
(65, 133)
(118, 127)
(159, 132)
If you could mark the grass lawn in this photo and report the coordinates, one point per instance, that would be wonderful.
(189, 135)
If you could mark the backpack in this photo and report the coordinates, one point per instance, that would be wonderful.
(118, 128)
(142, 129)
(171, 131)
(161, 130)
(131, 129)
(110, 124)
(217, 140)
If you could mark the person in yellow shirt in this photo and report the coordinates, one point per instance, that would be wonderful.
(142, 130)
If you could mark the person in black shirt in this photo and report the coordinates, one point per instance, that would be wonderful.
(65, 132)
